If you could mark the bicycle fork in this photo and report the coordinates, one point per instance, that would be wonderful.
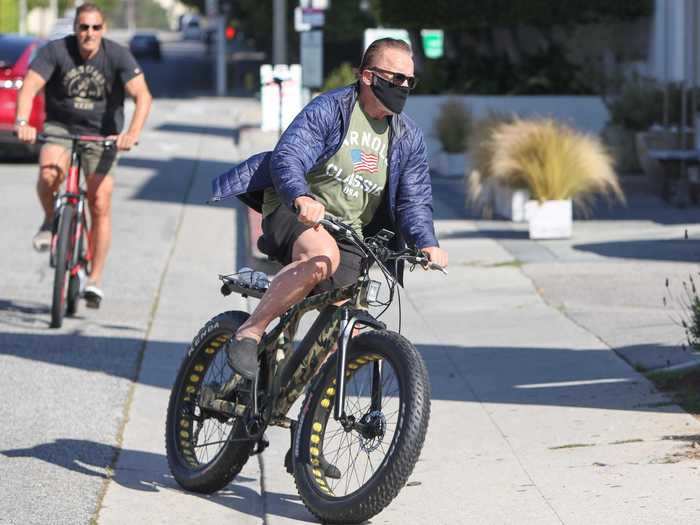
(349, 318)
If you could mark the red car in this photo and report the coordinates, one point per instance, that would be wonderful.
(16, 53)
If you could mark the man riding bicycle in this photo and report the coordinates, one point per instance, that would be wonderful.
(353, 154)
(85, 77)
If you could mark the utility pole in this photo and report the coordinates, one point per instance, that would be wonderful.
(22, 17)
(130, 16)
(279, 30)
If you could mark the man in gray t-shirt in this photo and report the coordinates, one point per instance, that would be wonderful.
(85, 78)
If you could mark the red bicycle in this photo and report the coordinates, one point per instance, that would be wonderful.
(71, 252)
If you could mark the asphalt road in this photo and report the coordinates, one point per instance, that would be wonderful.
(64, 392)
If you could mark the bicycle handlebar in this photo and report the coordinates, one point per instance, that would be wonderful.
(338, 228)
(98, 139)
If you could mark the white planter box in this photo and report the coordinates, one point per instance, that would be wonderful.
(550, 219)
(450, 164)
(509, 203)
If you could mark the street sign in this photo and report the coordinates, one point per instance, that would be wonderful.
(433, 40)
(313, 17)
(312, 58)
(375, 33)
(315, 4)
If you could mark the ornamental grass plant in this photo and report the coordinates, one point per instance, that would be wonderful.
(551, 160)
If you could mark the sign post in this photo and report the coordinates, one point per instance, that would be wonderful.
(312, 58)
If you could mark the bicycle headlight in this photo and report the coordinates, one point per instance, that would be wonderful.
(372, 293)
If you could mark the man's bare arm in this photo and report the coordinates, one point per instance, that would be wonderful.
(137, 89)
(33, 82)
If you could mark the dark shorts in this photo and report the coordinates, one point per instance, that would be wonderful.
(281, 229)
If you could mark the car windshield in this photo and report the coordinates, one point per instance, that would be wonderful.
(10, 50)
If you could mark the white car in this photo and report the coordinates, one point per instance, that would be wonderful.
(192, 30)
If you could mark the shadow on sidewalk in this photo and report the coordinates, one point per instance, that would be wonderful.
(684, 250)
(149, 472)
(172, 178)
(234, 132)
(541, 376)
(114, 356)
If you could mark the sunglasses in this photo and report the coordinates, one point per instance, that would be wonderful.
(85, 27)
(398, 79)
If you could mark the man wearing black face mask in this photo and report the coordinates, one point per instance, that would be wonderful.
(351, 153)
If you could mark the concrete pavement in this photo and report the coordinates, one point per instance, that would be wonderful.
(535, 416)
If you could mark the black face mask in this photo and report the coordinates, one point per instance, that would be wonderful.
(392, 96)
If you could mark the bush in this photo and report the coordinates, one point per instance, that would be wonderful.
(640, 105)
(341, 76)
(689, 304)
(453, 125)
(552, 161)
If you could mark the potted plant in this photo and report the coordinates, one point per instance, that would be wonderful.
(634, 109)
(558, 165)
(452, 127)
(487, 194)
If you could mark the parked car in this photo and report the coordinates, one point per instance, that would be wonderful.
(16, 53)
(145, 45)
(192, 29)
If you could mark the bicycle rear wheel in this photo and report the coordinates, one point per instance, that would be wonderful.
(62, 258)
(374, 459)
(205, 449)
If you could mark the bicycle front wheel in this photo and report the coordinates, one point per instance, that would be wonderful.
(62, 258)
(349, 474)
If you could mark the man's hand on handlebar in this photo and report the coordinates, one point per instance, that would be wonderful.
(436, 255)
(309, 211)
(26, 133)
(124, 141)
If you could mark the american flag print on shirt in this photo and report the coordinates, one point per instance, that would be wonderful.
(361, 161)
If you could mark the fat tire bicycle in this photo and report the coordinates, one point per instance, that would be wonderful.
(362, 424)
(70, 252)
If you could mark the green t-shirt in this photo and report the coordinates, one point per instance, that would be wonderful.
(351, 183)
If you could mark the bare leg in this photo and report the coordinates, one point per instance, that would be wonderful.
(53, 165)
(315, 258)
(100, 204)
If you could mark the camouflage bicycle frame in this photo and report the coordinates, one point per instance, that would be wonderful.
(278, 348)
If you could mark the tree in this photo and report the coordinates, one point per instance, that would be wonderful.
(485, 50)
(468, 15)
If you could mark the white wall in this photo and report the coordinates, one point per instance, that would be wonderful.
(585, 113)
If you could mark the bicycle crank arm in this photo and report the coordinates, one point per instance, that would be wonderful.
(209, 401)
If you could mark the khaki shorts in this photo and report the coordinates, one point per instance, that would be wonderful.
(94, 159)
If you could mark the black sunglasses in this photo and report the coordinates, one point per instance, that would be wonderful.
(397, 79)
(85, 27)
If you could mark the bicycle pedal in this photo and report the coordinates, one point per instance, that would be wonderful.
(261, 445)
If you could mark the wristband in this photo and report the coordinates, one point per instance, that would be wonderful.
(21, 122)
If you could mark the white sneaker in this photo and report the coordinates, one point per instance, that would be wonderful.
(93, 296)
(42, 240)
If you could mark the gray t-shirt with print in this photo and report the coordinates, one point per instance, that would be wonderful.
(87, 96)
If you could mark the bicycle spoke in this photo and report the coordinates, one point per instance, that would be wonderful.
(359, 457)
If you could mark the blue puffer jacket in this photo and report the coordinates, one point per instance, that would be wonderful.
(314, 136)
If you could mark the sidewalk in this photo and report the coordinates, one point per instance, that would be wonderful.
(535, 417)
